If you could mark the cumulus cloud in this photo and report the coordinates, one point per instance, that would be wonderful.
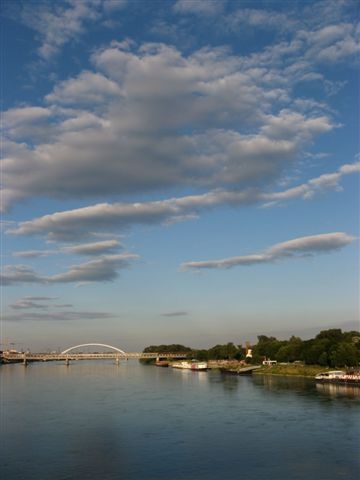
(82, 222)
(57, 24)
(327, 30)
(25, 115)
(26, 123)
(88, 87)
(332, 43)
(232, 124)
(303, 246)
(158, 118)
(104, 269)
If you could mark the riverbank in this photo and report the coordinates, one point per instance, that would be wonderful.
(289, 369)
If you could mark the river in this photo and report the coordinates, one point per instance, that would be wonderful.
(96, 420)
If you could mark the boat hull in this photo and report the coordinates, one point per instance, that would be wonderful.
(196, 366)
(162, 363)
(339, 377)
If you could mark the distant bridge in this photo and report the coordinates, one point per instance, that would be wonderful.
(67, 355)
(94, 345)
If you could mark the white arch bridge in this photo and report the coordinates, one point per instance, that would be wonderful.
(71, 354)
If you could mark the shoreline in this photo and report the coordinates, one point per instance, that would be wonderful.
(288, 370)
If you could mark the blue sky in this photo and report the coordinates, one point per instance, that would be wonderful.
(178, 171)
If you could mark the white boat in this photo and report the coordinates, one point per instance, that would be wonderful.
(190, 365)
(339, 376)
(332, 375)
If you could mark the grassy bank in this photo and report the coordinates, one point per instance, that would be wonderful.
(291, 369)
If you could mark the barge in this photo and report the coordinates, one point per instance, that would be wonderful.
(192, 365)
(339, 376)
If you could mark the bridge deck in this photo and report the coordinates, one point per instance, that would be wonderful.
(31, 357)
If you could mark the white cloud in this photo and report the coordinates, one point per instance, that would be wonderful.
(15, 274)
(84, 222)
(178, 313)
(327, 181)
(32, 302)
(69, 315)
(26, 115)
(58, 24)
(200, 7)
(227, 262)
(27, 123)
(87, 88)
(289, 124)
(39, 298)
(232, 122)
(320, 25)
(25, 303)
(310, 245)
(104, 269)
(113, 5)
(349, 168)
(332, 43)
(260, 19)
(75, 223)
(89, 249)
(94, 248)
(34, 253)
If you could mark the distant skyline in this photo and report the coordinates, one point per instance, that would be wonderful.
(178, 171)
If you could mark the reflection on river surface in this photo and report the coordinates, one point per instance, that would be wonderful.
(305, 385)
(134, 422)
(338, 390)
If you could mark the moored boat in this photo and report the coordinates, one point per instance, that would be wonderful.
(199, 366)
(339, 376)
(162, 363)
(191, 365)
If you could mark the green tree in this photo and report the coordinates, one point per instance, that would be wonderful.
(240, 354)
(323, 359)
(201, 355)
(227, 351)
(334, 335)
(267, 347)
(173, 348)
(313, 349)
(345, 355)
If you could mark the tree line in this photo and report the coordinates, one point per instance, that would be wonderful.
(330, 348)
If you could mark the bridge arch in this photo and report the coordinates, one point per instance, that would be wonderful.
(93, 345)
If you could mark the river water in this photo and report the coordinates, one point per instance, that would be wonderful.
(96, 420)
